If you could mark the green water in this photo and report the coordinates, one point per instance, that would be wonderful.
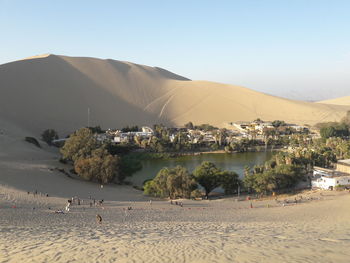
(233, 162)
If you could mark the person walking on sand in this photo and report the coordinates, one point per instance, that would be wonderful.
(67, 207)
(99, 219)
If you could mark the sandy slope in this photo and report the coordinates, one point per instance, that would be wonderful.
(337, 101)
(201, 231)
(28, 168)
(55, 92)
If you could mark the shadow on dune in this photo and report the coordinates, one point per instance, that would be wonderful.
(50, 93)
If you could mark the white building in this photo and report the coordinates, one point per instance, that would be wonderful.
(330, 178)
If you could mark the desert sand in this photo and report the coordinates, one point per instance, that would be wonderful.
(52, 91)
(337, 101)
(55, 91)
(224, 230)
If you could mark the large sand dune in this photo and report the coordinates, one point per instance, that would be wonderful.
(55, 92)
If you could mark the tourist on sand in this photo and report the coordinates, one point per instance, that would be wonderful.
(67, 206)
(150, 202)
(99, 219)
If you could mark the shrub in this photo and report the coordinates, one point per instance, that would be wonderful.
(79, 145)
(33, 141)
(171, 182)
(49, 135)
(207, 175)
(196, 194)
(101, 167)
(229, 182)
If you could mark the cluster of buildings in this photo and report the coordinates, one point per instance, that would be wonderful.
(193, 136)
(259, 127)
(330, 178)
(238, 130)
(117, 136)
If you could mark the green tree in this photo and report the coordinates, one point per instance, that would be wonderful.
(49, 135)
(208, 176)
(101, 167)
(229, 181)
(278, 123)
(171, 182)
(327, 132)
(79, 145)
(189, 125)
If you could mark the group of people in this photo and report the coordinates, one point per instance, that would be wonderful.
(35, 193)
(176, 203)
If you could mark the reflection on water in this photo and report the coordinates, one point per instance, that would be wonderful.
(233, 162)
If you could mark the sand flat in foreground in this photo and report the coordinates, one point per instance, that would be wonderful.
(201, 231)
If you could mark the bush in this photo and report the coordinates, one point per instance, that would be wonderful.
(101, 167)
(229, 182)
(49, 135)
(79, 145)
(207, 175)
(33, 141)
(171, 182)
(196, 194)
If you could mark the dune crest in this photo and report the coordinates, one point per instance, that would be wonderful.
(37, 56)
(56, 91)
(337, 101)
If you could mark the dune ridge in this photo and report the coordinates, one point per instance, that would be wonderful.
(55, 91)
(337, 101)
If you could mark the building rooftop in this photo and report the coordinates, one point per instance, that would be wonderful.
(330, 172)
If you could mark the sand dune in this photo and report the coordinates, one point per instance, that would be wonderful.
(201, 231)
(337, 101)
(55, 92)
(215, 231)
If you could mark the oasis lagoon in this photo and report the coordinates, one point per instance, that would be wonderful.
(226, 161)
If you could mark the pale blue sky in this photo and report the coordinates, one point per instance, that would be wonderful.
(285, 47)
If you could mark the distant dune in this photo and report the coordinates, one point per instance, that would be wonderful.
(53, 91)
(338, 101)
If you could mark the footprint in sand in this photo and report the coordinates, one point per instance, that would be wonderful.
(330, 240)
(282, 237)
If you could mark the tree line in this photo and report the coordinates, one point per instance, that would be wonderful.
(178, 182)
(96, 161)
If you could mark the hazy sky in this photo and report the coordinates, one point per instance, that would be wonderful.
(298, 49)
